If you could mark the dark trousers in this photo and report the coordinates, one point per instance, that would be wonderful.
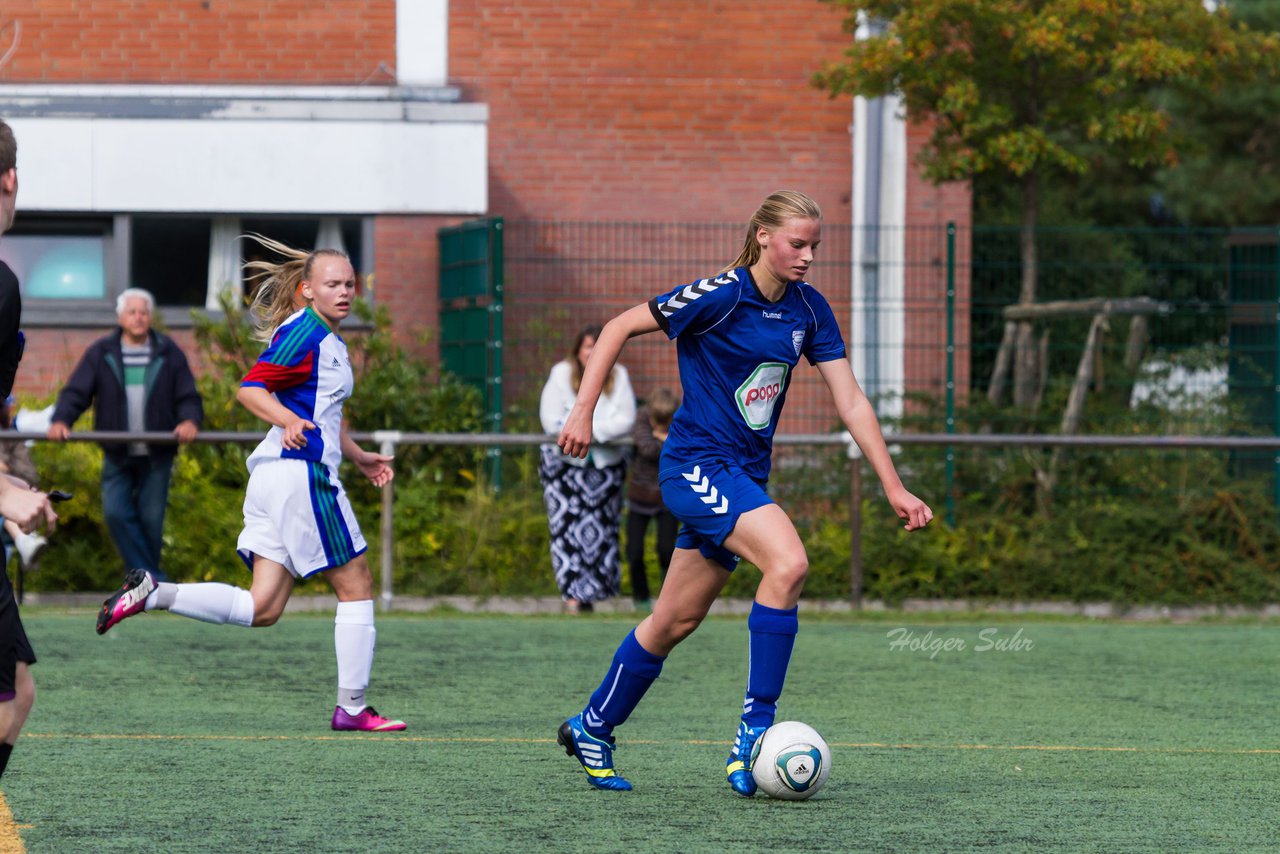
(135, 495)
(637, 525)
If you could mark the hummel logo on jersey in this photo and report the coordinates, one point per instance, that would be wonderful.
(689, 293)
(771, 315)
(706, 490)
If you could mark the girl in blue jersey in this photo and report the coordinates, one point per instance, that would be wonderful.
(738, 336)
(297, 519)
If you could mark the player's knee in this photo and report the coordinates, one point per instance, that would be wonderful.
(792, 571)
(678, 628)
(684, 627)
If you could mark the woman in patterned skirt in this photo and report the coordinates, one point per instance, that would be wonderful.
(584, 495)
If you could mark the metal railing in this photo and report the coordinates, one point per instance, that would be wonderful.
(388, 441)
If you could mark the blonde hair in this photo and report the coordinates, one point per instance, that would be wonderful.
(772, 214)
(576, 368)
(277, 284)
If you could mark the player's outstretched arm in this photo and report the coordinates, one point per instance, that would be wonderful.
(575, 436)
(859, 418)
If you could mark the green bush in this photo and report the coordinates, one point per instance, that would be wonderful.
(1130, 526)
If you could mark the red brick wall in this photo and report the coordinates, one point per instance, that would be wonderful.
(214, 41)
(642, 110)
(932, 207)
(616, 110)
(407, 261)
(633, 110)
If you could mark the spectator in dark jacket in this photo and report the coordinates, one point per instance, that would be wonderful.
(138, 380)
(644, 499)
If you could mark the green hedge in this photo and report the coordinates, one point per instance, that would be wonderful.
(1130, 526)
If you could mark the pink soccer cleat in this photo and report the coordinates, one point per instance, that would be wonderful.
(367, 721)
(130, 599)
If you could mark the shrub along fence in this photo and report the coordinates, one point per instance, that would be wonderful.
(1134, 518)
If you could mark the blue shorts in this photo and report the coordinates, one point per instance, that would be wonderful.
(708, 498)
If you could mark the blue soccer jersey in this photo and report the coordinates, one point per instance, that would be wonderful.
(736, 351)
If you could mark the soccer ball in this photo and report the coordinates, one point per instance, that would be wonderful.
(790, 761)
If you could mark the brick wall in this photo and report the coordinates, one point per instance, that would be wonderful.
(641, 110)
(407, 261)
(627, 110)
(199, 41)
(614, 110)
(932, 207)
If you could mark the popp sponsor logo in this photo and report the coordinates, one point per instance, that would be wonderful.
(765, 392)
(760, 392)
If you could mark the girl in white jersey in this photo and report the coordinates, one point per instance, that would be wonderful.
(739, 334)
(297, 519)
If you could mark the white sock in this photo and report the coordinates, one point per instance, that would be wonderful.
(208, 602)
(353, 640)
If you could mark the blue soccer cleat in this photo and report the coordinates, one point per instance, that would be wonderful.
(741, 758)
(594, 754)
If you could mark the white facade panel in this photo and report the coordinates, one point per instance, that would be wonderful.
(422, 42)
(252, 166)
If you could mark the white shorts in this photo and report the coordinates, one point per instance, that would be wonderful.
(296, 513)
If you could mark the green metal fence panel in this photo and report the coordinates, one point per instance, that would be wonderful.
(471, 313)
(471, 275)
(1252, 347)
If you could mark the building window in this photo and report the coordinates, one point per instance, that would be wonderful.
(184, 261)
(169, 256)
(59, 259)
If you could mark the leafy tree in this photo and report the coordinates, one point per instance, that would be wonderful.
(1035, 90)
(1229, 173)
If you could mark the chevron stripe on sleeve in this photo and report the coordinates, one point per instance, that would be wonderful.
(689, 293)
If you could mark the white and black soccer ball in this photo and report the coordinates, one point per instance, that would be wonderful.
(791, 761)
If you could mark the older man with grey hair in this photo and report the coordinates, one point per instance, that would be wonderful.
(140, 381)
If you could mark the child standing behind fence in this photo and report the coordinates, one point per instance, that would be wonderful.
(644, 499)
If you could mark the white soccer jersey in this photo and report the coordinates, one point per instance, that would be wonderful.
(308, 369)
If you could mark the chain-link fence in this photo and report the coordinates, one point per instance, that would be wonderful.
(1140, 348)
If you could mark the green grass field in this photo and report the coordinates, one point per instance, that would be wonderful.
(168, 735)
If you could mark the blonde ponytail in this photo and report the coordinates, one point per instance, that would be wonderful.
(277, 284)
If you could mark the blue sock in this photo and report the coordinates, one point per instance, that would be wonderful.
(633, 670)
(773, 634)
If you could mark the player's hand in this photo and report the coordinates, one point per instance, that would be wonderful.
(575, 436)
(26, 508)
(292, 437)
(58, 432)
(186, 432)
(910, 509)
(376, 467)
